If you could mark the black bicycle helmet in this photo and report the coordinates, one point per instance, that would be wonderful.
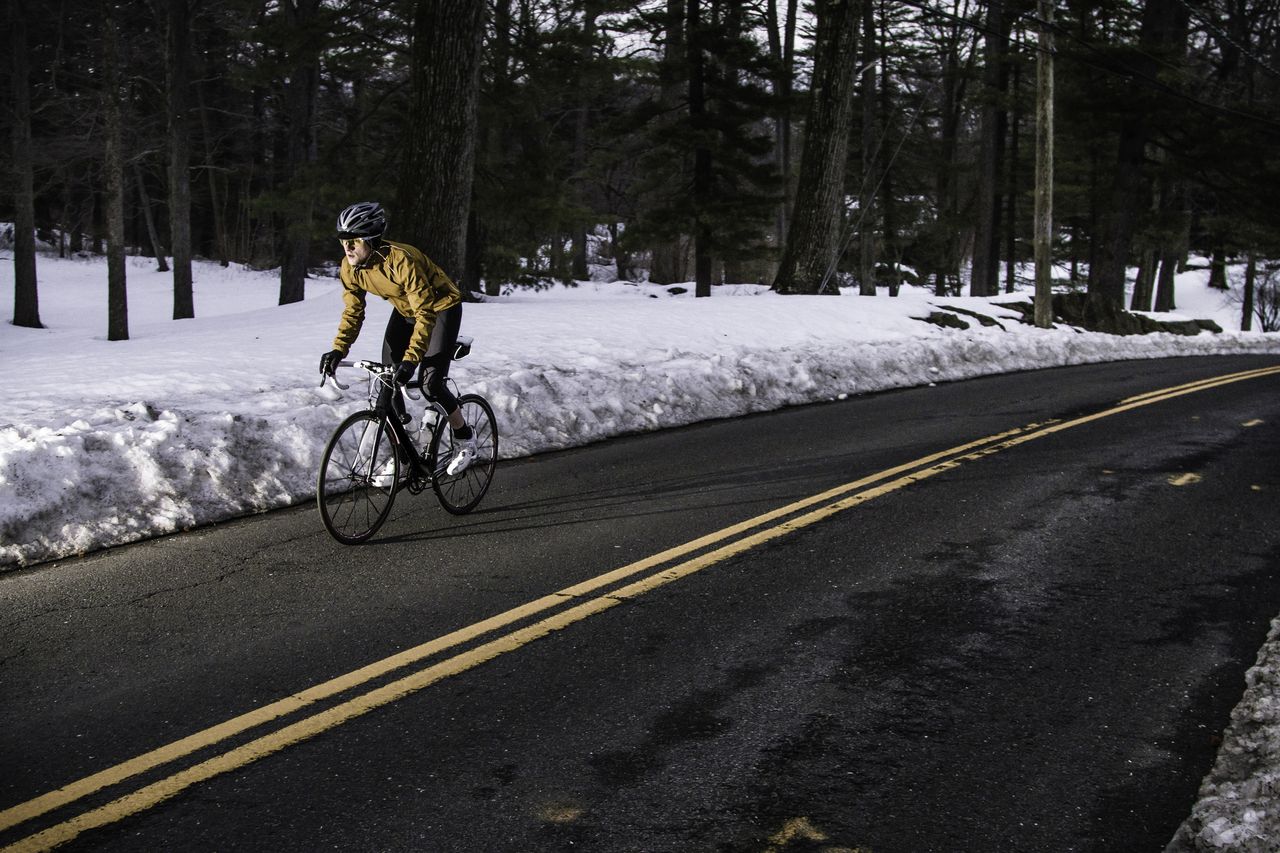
(364, 219)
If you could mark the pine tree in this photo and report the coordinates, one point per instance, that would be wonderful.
(708, 175)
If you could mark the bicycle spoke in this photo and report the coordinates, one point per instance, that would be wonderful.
(357, 478)
(462, 492)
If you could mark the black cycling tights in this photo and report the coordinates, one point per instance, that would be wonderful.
(435, 362)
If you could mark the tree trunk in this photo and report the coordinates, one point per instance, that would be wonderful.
(985, 277)
(78, 219)
(113, 169)
(701, 152)
(580, 271)
(26, 299)
(94, 217)
(1043, 237)
(216, 200)
(891, 244)
(144, 199)
(668, 264)
(1250, 282)
(1165, 298)
(621, 257)
(473, 267)
(1144, 283)
(493, 142)
(1011, 186)
(556, 253)
(1163, 26)
(300, 103)
(435, 184)
(259, 241)
(811, 254)
(1176, 237)
(64, 215)
(1218, 265)
(782, 52)
(870, 166)
(947, 224)
(1114, 239)
(176, 50)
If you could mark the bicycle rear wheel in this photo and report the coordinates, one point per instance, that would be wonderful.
(461, 493)
(359, 475)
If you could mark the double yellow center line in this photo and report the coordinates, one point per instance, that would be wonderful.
(670, 565)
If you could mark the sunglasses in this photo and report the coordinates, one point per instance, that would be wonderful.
(351, 243)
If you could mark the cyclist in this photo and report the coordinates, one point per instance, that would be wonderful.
(423, 330)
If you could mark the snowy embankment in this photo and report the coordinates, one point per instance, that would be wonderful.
(1239, 806)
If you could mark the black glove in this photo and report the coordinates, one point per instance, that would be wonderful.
(329, 362)
(405, 371)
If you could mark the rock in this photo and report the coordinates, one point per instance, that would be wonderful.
(944, 319)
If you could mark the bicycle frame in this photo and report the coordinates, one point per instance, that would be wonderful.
(381, 387)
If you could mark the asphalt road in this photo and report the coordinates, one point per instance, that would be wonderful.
(1028, 642)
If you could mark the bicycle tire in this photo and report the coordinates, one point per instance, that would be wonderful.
(359, 477)
(462, 493)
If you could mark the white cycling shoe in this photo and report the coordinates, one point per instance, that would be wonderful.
(464, 455)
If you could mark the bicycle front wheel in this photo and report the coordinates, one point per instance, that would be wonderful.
(359, 475)
(460, 493)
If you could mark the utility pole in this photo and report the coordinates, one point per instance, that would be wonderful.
(1043, 237)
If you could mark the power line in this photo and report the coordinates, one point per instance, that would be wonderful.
(1131, 73)
(1126, 72)
(1195, 13)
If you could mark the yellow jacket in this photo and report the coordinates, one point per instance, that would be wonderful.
(402, 275)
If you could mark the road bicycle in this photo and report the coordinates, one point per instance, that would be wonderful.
(373, 454)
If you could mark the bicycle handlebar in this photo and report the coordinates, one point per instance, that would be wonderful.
(374, 367)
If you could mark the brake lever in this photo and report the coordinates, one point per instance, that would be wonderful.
(325, 377)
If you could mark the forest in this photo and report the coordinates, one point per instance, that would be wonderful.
(809, 146)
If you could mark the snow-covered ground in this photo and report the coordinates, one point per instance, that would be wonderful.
(195, 421)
